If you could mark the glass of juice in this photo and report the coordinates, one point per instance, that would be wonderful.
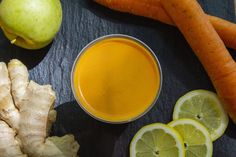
(116, 79)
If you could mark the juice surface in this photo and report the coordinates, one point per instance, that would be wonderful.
(116, 79)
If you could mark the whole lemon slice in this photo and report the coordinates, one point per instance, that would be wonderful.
(196, 138)
(205, 107)
(157, 140)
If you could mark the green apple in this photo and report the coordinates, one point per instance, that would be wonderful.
(31, 24)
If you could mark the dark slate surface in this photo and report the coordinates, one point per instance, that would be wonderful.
(84, 21)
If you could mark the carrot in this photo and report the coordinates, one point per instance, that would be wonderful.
(147, 8)
(209, 48)
(154, 10)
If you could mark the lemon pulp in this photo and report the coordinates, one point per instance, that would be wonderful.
(205, 107)
(196, 138)
(157, 140)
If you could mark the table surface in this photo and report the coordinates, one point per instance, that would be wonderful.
(84, 21)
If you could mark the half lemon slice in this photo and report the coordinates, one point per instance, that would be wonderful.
(205, 107)
(157, 140)
(196, 138)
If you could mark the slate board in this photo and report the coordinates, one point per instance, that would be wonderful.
(84, 21)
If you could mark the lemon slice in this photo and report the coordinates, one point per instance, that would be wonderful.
(205, 107)
(196, 138)
(157, 140)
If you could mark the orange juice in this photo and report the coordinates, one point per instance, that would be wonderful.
(116, 79)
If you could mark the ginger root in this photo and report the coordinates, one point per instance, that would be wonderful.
(26, 117)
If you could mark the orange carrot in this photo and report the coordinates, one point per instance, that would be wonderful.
(209, 48)
(147, 8)
(153, 9)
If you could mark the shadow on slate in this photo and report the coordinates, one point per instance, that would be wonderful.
(233, 53)
(30, 58)
(231, 130)
(93, 136)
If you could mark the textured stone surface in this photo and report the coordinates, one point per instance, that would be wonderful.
(84, 21)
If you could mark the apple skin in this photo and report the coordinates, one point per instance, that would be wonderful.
(30, 24)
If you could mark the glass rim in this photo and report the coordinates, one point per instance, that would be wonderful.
(117, 36)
